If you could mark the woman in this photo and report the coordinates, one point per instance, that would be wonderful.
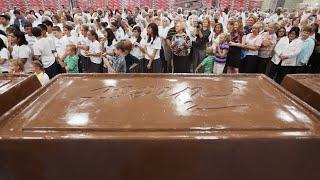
(180, 46)
(234, 53)
(4, 58)
(107, 45)
(285, 58)
(281, 33)
(56, 21)
(217, 30)
(137, 50)
(250, 22)
(152, 50)
(251, 43)
(94, 53)
(163, 31)
(269, 40)
(82, 45)
(20, 49)
(199, 45)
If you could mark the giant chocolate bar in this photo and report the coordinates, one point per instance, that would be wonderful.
(156, 127)
(304, 86)
(14, 88)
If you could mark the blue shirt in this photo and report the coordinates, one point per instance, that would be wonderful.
(306, 51)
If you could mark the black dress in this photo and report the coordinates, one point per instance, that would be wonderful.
(234, 53)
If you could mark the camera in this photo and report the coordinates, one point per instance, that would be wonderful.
(199, 25)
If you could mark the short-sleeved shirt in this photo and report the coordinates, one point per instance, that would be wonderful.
(22, 52)
(72, 63)
(118, 63)
(257, 41)
(207, 64)
(223, 46)
(4, 55)
(154, 44)
(94, 47)
(42, 48)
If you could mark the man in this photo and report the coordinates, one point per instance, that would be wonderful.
(42, 52)
(20, 21)
(277, 16)
(4, 22)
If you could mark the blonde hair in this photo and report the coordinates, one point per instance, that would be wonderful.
(72, 47)
(18, 64)
(210, 50)
(225, 36)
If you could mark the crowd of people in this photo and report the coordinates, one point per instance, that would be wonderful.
(154, 41)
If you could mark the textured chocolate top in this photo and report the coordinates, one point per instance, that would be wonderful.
(161, 106)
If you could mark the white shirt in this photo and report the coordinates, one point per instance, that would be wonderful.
(151, 46)
(252, 42)
(290, 50)
(136, 51)
(4, 39)
(4, 55)
(83, 41)
(42, 48)
(50, 38)
(61, 45)
(22, 52)
(31, 40)
(94, 47)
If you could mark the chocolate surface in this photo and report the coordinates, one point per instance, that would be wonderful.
(304, 86)
(160, 127)
(14, 88)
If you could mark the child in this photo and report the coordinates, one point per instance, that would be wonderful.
(222, 49)
(117, 63)
(70, 59)
(207, 63)
(16, 66)
(4, 57)
(38, 70)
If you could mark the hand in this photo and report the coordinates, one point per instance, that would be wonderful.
(149, 65)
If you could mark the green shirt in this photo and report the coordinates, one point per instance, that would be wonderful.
(72, 64)
(207, 63)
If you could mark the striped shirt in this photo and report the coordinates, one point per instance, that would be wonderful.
(223, 46)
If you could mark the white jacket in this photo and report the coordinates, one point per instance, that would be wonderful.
(290, 50)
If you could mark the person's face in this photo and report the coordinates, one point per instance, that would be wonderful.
(91, 37)
(13, 39)
(292, 35)
(2, 20)
(57, 34)
(63, 19)
(149, 31)
(205, 23)
(116, 51)
(69, 51)
(282, 32)
(136, 33)
(236, 26)
(54, 20)
(250, 22)
(222, 39)
(27, 30)
(255, 30)
(296, 22)
(270, 29)
(178, 27)
(218, 29)
(83, 32)
(165, 22)
(305, 35)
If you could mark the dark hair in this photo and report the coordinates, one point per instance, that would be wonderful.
(282, 28)
(307, 29)
(155, 33)
(47, 23)
(5, 16)
(315, 27)
(43, 27)
(27, 24)
(2, 45)
(3, 33)
(36, 31)
(296, 30)
(110, 37)
(21, 38)
(16, 11)
(13, 27)
(85, 27)
(93, 32)
(56, 28)
(68, 27)
(137, 28)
